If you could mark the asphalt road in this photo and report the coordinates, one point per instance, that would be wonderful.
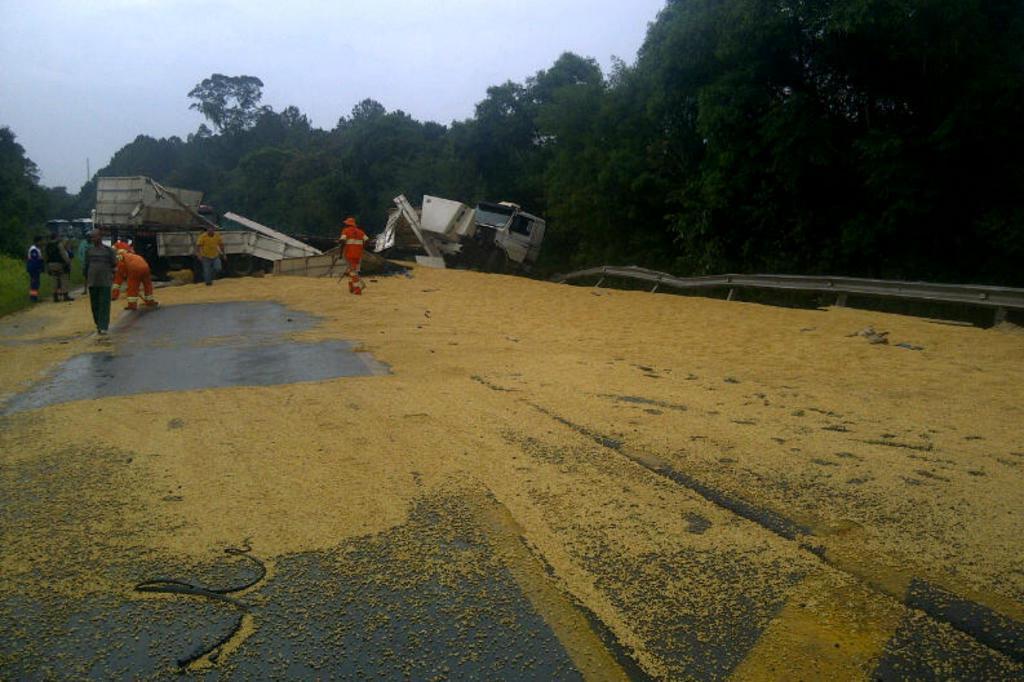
(437, 492)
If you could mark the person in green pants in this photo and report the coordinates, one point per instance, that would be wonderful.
(99, 264)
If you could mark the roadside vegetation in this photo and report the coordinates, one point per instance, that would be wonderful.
(848, 137)
(14, 284)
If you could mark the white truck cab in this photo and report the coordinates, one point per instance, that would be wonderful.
(495, 237)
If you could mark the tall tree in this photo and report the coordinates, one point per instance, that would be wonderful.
(230, 103)
(23, 203)
(859, 137)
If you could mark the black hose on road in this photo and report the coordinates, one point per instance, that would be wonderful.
(175, 586)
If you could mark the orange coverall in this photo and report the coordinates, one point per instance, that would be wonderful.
(353, 238)
(135, 269)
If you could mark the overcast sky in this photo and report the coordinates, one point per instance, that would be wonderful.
(80, 79)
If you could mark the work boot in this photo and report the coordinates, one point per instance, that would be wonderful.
(132, 306)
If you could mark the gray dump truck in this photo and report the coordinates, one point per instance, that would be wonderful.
(164, 223)
(492, 237)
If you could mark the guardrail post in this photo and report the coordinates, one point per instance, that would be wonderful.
(732, 294)
(599, 283)
(656, 285)
(1000, 315)
(841, 300)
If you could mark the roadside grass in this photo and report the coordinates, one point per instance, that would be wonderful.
(14, 284)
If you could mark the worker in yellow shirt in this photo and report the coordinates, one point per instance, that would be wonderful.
(210, 252)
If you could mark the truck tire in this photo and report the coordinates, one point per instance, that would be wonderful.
(241, 264)
(495, 261)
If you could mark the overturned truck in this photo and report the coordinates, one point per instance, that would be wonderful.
(491, 237)
(164, 223)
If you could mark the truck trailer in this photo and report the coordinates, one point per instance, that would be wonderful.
(164, 223)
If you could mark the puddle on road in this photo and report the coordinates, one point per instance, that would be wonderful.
(188, 324)
(188, 347)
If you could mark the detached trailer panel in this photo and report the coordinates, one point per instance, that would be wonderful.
(171, 244)
(297, 247)
(258, 241)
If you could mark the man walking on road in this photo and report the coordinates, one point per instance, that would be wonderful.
(353, 239)
(210, 251)
(98, 266)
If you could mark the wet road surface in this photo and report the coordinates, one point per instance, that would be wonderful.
(181, 348)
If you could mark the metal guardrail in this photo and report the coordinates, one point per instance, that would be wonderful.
(1000, 299)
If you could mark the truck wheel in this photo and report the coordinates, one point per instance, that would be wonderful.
(241, 264)
(495, 261)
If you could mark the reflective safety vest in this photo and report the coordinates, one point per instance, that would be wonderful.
(353, 238)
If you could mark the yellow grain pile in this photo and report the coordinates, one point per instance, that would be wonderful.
(902, 462)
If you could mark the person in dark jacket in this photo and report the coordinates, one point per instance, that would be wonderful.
(58, 265)
(99, 265)
(34, 264)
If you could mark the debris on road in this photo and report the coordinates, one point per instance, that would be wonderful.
(873, 337)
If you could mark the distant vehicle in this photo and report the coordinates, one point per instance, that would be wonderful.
(59, 226)
(81, 227)
(164, 223)
(493, 237)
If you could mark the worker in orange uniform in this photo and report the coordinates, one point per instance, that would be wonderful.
(135, 269)
(353, 239)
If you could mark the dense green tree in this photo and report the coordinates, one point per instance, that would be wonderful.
(230, 103)
(504, 143)
(859, 137)
(23, 203)
(368, 110)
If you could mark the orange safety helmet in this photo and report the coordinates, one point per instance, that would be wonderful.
(350, 221)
